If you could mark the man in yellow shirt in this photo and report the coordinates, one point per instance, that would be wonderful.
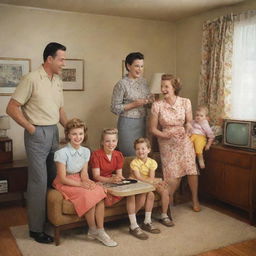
(37, 105)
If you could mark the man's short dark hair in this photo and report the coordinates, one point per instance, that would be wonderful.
(130, 58)
(51, 49)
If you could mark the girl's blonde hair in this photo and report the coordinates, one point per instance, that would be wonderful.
(142, 140)
(73, 124)
(111, 131)
(175, 82)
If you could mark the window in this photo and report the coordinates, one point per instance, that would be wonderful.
(243, 89)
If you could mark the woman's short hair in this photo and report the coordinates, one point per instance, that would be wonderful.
(73, 124)
(176, 84)
(142, 140)
(131, 57)
(108, 131)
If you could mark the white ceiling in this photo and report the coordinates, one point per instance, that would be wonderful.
(166, 10)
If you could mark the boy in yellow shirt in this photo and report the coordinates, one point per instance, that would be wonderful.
(143, 169)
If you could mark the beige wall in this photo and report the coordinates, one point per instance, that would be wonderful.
(102, 41)
(188, 51)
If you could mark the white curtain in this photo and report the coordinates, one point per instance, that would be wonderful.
(243, 90)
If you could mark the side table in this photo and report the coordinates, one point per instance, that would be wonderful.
(130, 189)
(15, 174)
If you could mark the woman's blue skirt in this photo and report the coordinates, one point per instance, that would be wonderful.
(129, 129)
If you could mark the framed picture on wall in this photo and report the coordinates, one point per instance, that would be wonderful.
(73, 75)
(11, 71)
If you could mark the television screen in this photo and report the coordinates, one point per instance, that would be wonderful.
(238, 134)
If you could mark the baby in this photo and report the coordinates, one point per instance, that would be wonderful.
(202, 134)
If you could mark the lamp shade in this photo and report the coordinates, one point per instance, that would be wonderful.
(155, 83)
(4, 122)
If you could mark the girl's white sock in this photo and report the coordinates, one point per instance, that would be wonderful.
(100, 230)
(133, 221)
(93, 230)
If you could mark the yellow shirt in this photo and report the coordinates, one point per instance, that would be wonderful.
(40, 97)
(144, 168)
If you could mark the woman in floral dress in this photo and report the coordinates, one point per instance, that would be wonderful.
(171, 122)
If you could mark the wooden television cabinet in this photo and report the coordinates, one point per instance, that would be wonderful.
(230, 176)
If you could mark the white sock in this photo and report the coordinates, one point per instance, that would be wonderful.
(133, 221)
(101, 230)
(164, 215)
(93, 230)
(147, 217)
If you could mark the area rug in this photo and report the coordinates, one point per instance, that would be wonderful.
(192, 234)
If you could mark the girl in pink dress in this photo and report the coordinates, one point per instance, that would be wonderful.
(171, 122)
(73, 182)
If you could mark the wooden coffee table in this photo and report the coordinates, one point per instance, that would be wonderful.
(129, 189)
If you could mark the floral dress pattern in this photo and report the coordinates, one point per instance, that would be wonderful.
(177, 153)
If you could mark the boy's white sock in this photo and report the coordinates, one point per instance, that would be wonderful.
(133, 221)
(164, 215)
(147, 217)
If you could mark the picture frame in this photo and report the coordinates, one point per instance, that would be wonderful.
(11, 72)
(73, 75)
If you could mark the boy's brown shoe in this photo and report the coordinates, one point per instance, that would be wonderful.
(137, 232)
(150, 228)
(167, 222)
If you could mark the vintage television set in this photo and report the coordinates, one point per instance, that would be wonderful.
(240, 134)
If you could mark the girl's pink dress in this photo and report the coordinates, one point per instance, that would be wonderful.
(100, 160)
(83, 199)
(177, 153)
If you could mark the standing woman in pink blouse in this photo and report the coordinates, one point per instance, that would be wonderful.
(130, 95)
(171, 122)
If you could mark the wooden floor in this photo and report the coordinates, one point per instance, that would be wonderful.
(10, 215)
(14, 215)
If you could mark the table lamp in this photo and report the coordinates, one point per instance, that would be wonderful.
(4, 126)
(155, 89)
(6, 154)
(155, 84)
